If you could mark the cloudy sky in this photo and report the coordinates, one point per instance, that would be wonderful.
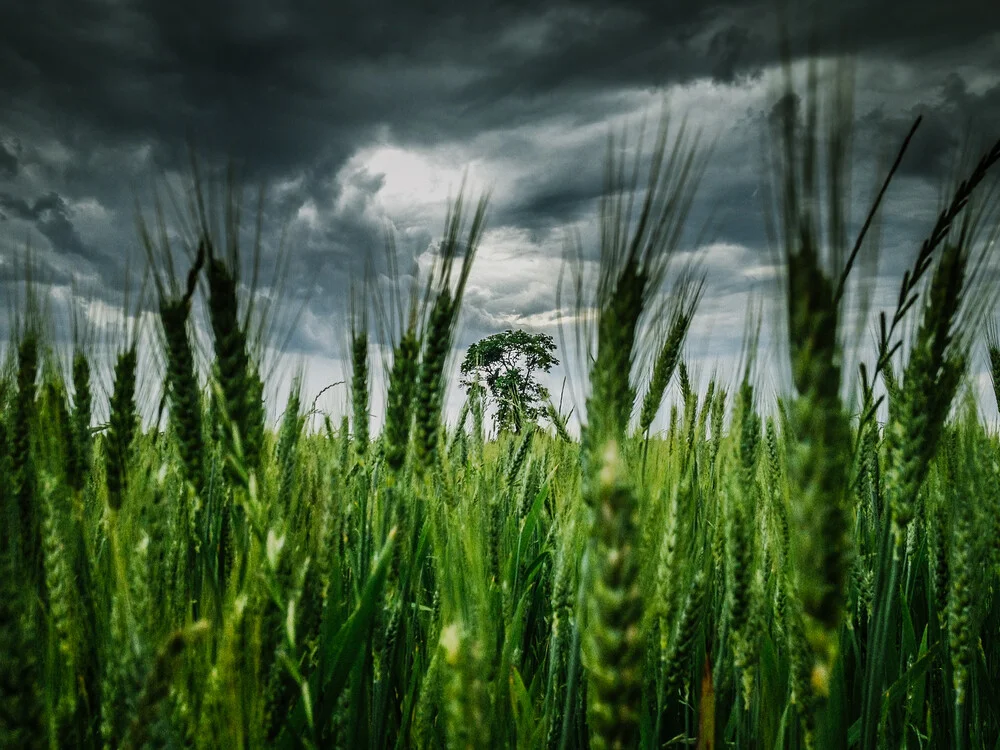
(357, 114)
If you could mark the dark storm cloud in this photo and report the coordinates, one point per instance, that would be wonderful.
(8, 160)
(291, 87)
(727, 49)
(559, 194)
(954, 123)
(100, 95)
(649, 42)
(49, 214)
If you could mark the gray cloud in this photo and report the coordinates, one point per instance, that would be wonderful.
(299, 87)
(301, 96)
(8, 160)
(50, 216)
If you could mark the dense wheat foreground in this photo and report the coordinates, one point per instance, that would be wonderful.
(821, 570)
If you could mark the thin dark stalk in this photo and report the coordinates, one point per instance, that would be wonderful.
(841, 285)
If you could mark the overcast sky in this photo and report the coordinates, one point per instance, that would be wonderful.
(355, 114)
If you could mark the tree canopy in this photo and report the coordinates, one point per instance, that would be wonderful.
(507, 362)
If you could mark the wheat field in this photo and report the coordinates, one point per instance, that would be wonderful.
(817, 570)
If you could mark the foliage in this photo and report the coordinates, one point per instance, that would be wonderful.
(507, 363)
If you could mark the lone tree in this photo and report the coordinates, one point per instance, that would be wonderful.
(507, 362)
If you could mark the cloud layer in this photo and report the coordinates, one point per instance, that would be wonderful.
(360, 114)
